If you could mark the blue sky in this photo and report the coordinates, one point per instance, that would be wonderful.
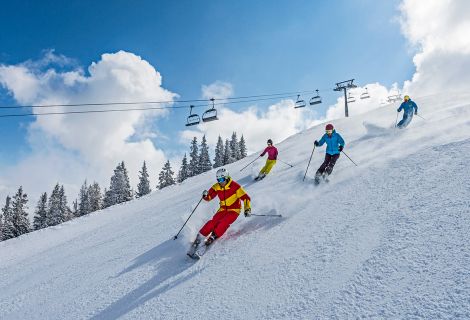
(256, 46)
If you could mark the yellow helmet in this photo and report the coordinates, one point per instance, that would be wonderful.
(406, 98)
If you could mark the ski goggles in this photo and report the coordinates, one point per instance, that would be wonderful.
(221, 179)
(329, 131)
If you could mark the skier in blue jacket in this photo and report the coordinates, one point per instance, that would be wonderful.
(334, 145)
(407, 106)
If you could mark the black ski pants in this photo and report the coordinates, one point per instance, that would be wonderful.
(328, 164)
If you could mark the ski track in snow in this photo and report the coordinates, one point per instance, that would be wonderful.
(385, 240)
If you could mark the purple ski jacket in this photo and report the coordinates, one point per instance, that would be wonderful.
(272, 152)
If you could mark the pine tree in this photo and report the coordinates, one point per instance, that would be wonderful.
(234, 148)
(194, 158)
(120, 188)
(75, 208)
(143, 187)
(84, 200)
(95, 197)
(64, 208)
(204, 159)
(1, 227)
(8, 229)
(183, 174)
(165, 178)
(40, 215)
(219, 153)
(243, 151)
(20, 216)
(227, 157)
(55, 215)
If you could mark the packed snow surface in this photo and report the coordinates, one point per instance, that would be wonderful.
(387, 239)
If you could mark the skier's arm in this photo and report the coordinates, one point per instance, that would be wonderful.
(242, 195)
(322, 141)
(276, 153)
(340, 140)
(211, 195)
(401, 107)
(416, 107)
(264, 152)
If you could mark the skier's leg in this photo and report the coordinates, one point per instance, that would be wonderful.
(210, 225)
(323, 165)
(269, 165)
(263, 169)
(223, 224)
(403, 121)
(408, 119)
(331, 164)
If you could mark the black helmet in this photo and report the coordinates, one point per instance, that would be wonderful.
(270, 141)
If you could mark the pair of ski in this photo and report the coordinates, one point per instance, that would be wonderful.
(260, 177)
(198, 249)
(320, 178)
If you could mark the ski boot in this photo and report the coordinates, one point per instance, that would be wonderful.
(210, 239)
(194, 246)
(317, 179)
(260, 177)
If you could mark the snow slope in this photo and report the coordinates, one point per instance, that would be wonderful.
(387, 239)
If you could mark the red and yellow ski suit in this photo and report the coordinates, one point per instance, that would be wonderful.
(230, 196)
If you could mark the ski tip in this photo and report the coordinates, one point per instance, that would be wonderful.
(193, 256)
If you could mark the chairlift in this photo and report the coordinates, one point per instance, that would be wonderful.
(210, 114)
(193, 119)
(351, 98)
(365, 94)
(300, 103)
(315, 99)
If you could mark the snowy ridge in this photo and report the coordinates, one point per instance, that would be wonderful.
(387, 239)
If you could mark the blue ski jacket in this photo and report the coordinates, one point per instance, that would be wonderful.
(332, 143)
(408, 107)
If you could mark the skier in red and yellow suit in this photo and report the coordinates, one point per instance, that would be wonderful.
(231, 195)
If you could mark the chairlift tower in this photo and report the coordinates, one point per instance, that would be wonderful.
(344, 86)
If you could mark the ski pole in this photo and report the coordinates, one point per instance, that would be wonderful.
(176, 237)
(267, 215)
(286, 163)
(396, 120)
(421, 117)
(250, 163)
(349, 158)
(309, 162)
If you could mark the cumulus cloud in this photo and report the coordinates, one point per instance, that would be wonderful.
(438, 29)
(89, 144)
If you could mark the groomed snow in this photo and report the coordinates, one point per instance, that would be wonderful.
(387, 239)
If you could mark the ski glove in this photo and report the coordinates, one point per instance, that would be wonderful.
(398, 110)
(316, 143)
(340, 148)
(205, 193)
(247, 212)
(416, 113)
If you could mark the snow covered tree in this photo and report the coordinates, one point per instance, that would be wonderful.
(21, 222)
(234, 148)
(1, 227)
(183, 174)
(204, 159)
(242, 146)
(194, 158)
(165, 178)
(8, 229)
(40, 215)
(227, 155)
(219, 153)
(63, 205)
(75, 208)
(94, 197)
(143, 187)
(84, 200)
(120, 188)
(55, 214)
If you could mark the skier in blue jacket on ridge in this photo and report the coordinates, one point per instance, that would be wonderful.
(334, 146)
(407, 106)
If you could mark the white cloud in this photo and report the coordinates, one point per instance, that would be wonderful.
(378, 95)
(217, 90)
(439, 30)
(70, 148)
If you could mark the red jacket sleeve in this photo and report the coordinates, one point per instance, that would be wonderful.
(264, 152)
(211, 195)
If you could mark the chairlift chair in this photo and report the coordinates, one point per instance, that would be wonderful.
(300, 103)
(210, 114)
(365, 94)
(315, 99)
(351, 98)
(193, 119)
